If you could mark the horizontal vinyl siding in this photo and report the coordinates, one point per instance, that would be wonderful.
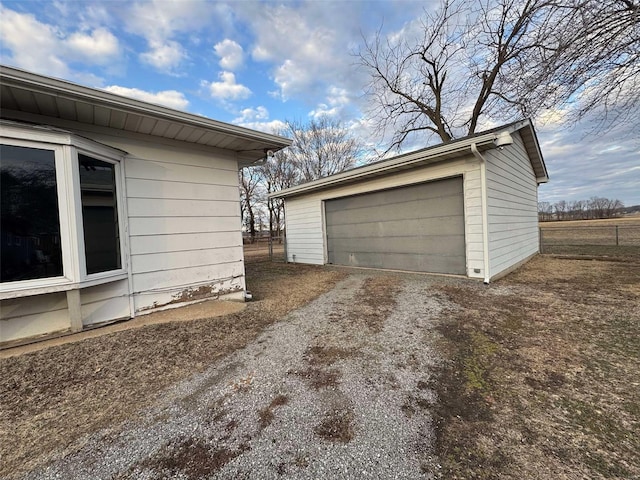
(184, 224)
(512, 205)
(304, 213)
(303, 217)
(104, 303)
(32, 316)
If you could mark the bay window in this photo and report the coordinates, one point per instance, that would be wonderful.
(61, 215)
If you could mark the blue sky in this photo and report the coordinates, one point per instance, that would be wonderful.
(258, 63)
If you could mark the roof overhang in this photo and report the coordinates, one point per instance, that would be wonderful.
(438, 153)
(28, 93)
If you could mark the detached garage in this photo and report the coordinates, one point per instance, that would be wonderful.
(467, 207)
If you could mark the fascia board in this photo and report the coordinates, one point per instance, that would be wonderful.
(408, 160)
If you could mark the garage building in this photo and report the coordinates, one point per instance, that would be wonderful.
(467, 207)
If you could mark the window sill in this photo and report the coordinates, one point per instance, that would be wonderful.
(62, 285)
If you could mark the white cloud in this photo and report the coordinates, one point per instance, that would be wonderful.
(164, 56)
(168, 98)
(167, 24)
(258, 119)
(337, 101)
(100, 45)
(304, 51)
(230, 53)
(227, 88)
(43, 48)
(251, 114)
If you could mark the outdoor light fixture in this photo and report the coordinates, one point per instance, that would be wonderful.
(503, 139)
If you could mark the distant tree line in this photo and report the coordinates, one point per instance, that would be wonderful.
(321, 147)
(595, 207)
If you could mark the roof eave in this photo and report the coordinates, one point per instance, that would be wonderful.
(442, 152)
(21, 79)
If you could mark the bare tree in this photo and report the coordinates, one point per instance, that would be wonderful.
(595, 207)
(477, 61)
(560, 209)
(322, 147)
(545, 211)
(250, 196)
(595, 65)
(278, 172)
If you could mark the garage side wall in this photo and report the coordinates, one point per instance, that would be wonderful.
(512, 204)
(306, 238)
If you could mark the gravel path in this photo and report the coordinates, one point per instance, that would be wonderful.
(337, 389)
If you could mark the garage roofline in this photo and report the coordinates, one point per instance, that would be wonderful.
(446, 151)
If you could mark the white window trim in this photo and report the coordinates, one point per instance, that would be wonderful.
(66, 147)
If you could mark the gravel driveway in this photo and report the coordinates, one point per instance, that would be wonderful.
(340, 388)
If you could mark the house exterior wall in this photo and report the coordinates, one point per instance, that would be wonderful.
(184, 224)
(182, 231)
(512, 207)
(306, 239)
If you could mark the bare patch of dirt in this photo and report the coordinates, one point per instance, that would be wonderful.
(191, 458)
(377, 300)
(266, 414)
(318, 378)
(337, 426)
(53, 397)
(542, 372)
(326, 354)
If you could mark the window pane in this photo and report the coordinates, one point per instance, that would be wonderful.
(29, 221)
(99, 214)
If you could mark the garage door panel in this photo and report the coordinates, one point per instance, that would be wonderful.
(434, 244)
(450, 187)
(410, 210)
(416, 228)
(440, 225)
(399, 261)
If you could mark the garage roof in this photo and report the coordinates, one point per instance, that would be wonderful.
(28, 93)
(437, 153)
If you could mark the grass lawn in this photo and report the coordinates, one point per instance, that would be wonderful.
(543, 373)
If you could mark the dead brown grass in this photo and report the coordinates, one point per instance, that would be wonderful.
(628, 221)
(53, 397)
(543, 378)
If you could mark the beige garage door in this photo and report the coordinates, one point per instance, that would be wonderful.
(417, 228)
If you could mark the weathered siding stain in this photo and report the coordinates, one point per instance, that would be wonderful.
(184, 240)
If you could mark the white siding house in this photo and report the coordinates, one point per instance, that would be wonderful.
(409, 213)
(136, 206)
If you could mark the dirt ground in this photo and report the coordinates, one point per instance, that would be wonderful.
(540, 377)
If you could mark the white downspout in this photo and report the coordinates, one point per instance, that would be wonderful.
(485, 215)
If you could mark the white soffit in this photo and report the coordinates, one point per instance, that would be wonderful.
(25, 92)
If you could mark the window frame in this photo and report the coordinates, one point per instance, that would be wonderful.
(66, 147)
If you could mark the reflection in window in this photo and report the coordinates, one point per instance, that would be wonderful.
(99, 214)
(29, 219)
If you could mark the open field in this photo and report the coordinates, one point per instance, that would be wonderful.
(607, 237)
(626, 221)
(537, 377)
